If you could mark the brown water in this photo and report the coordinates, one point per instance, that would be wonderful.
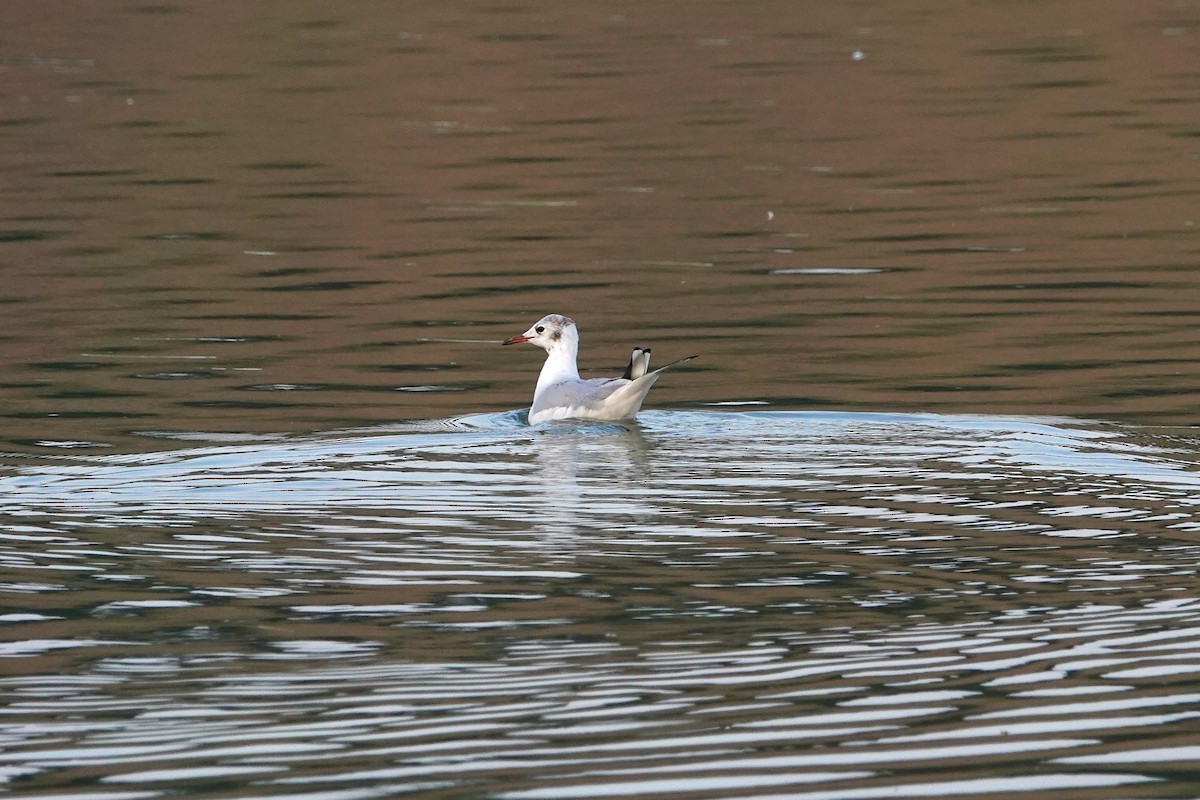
(919, 522)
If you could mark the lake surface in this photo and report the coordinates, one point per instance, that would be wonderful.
(824, 603)
(921, 521)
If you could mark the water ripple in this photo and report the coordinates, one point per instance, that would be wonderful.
(831, 605)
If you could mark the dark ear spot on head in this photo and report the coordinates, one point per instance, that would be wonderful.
(556, 335)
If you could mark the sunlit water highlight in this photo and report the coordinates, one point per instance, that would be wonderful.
(741, 604)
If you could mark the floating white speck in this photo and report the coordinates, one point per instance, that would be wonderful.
(151, 357)
(431, 388)
(70, 443)
(827, 271)
(739, 403)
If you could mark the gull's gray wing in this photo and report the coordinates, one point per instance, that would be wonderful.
(583, 396)
(598, 398)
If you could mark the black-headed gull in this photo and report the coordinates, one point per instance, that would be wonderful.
(562, 394)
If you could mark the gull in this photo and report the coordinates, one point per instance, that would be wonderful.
(562, 394)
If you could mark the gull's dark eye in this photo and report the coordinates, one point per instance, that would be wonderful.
(540, 328)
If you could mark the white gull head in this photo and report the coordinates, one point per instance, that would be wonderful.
(551, 332)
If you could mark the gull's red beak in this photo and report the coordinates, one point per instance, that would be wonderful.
(516, 340)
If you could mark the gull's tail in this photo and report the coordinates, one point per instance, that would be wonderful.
(627, 399)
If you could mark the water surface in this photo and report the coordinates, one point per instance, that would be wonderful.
(718, 604)
(233, 218)
(918, 522)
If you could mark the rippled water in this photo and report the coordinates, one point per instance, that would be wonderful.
(272, 522)
(709, 604)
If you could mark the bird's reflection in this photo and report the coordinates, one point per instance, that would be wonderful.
(587, 473)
